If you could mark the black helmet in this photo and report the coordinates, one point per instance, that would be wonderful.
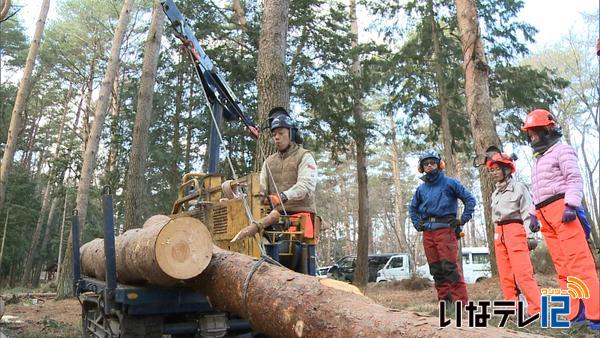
(280, 118)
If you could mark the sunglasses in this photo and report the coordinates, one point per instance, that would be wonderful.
(429, 162)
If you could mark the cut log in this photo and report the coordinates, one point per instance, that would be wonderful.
(279, 302)
(163, 252)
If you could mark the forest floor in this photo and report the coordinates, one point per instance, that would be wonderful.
(45, 317)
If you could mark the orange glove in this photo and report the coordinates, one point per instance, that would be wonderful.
(275, 199)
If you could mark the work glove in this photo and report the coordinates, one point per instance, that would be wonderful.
(569, 214)
(420, 226)
(458, 232)
(456, 223)
(246, 232)
(275, 200)
(532, 243)
(534, 224)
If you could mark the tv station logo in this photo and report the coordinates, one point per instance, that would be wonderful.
(556, 305)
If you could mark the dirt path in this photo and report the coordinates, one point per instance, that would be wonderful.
(42, 318)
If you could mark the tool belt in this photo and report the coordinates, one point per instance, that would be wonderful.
(439, 219)
(549, 200)
(509, 221)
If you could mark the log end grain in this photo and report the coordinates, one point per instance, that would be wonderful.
(183, 248)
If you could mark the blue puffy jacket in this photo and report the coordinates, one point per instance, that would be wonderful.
(439, 198)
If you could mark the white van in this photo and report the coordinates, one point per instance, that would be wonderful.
(476, 265)
(397, 268)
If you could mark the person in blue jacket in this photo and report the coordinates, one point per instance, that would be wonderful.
(433, 210)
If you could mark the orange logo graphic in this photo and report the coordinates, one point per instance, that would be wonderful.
(576, 288)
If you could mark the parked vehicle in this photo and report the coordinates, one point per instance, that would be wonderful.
(322, 271)
(344, 268)
(476, 265)
(398, 267)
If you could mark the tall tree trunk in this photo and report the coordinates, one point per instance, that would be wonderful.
(364, 223)
(189, 131)
(28, 153)
(399, 202)
(20, 103)
(478, 104)
(32, 253)
(4, 236)
(61, 236)
(110, 176)
(175, 176)
(271, 74)
(442, 93)
(41, 253)
(139, 147)
(4, 6)
(91, 149)
(348, 214)
(85, 130)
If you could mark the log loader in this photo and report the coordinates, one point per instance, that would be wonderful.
(111, 308)
(226, 207)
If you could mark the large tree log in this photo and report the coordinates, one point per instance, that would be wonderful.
(282, 303)
(163, 252)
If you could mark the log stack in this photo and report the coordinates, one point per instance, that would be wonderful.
(164, 251)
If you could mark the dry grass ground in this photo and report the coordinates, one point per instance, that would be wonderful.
(403, 296)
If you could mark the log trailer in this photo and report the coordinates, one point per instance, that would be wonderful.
(113, 309)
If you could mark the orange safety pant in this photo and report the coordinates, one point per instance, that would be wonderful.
(514, 265)
(571, 256)
(441, 249)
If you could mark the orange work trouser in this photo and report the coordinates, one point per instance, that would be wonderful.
(514, 265)
(571, 256)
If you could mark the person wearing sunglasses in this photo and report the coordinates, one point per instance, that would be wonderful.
(557, 188)
(433, 210)
(510, 213)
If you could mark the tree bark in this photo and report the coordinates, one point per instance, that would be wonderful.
(4, 6)
(189, 132)
(111, 174)
(91, 149)
(478, 104)
(4, 236)
(61, 236)
(41, 253)
(361, 275)
(164, 251)
(271, 74)
(399, 203)
(139, 147)
(85, 130)
(175, 176)
(31, 254)
(442, 93)
(282, 303)
(20, 103)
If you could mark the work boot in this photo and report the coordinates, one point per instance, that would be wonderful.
(580, 318)
(594, 325)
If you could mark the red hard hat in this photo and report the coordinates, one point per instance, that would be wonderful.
(538, 118)
(502, 158)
